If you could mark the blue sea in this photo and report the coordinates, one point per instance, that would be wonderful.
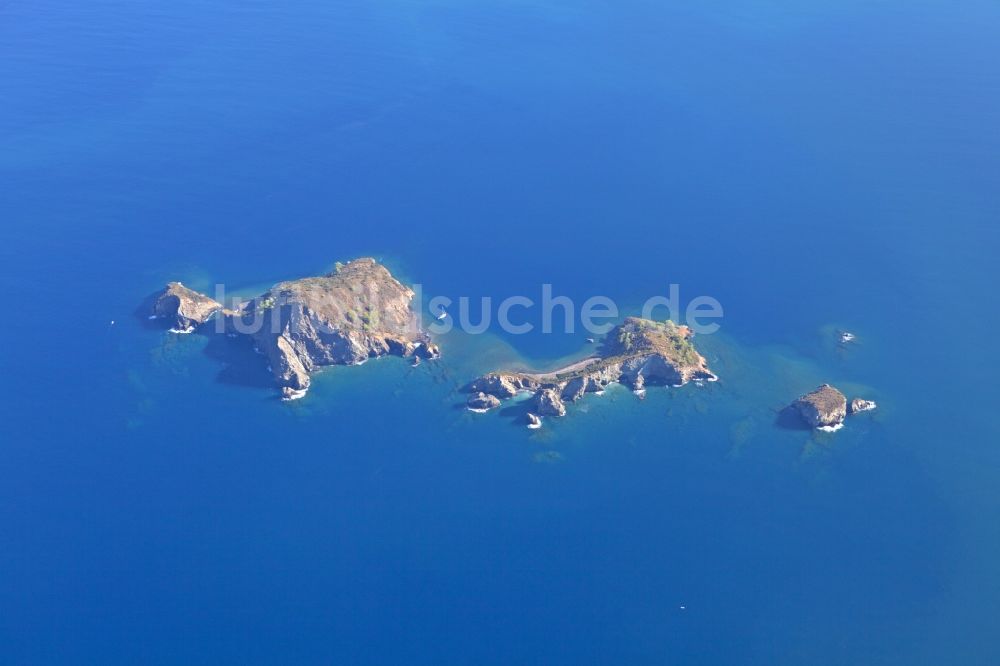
(814, 165)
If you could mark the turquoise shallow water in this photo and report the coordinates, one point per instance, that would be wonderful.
(813, 167)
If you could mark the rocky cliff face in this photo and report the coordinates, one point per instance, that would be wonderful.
(357, 312)
(481, 402)
(183, 308)
(826, 407)
(636, 353)
(548, 402)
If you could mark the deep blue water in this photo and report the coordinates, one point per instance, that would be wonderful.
(811, 165)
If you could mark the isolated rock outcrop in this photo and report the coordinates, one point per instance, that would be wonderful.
(826, 407)
(859, 405)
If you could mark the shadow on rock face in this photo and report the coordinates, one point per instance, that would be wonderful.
(517, 411)
(790, 419)
(242, 365)
(143, 313)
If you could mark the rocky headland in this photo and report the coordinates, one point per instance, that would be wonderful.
(635, 353)
(184, 309)
(357, 312)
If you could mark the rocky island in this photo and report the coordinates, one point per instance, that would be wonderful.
(636, 353)
(826, 408)
(357, 312)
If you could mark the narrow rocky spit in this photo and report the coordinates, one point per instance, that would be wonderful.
(636, 353)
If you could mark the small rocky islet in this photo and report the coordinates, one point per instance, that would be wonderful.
(360, 311)
(826, 408)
